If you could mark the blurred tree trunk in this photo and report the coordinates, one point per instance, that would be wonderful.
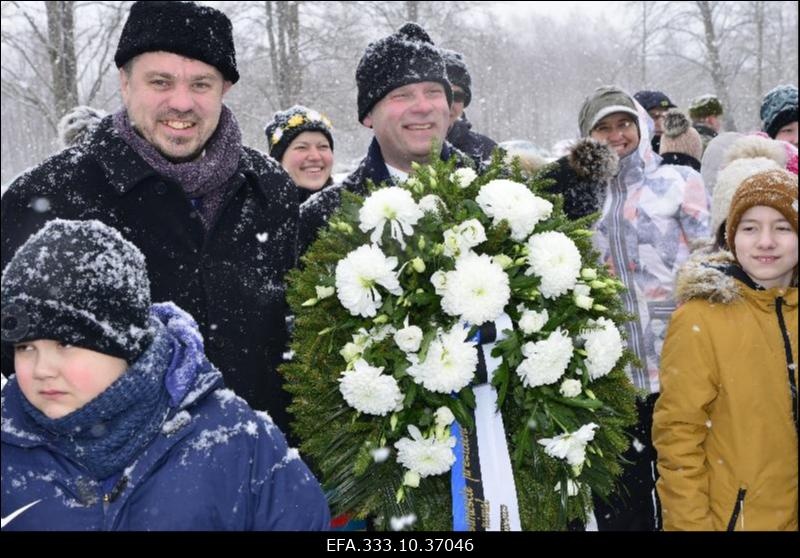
(61, 47)
(715, 62)
(283, 34)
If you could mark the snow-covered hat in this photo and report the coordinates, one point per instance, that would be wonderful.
(705, 105)
(78, 282)
(458, 73)
(290, 123)
(604, 101)
(185, 28)
(407, 56)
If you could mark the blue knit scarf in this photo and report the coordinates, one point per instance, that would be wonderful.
(110, 431)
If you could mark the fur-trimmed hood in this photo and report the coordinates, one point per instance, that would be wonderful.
(706, 275)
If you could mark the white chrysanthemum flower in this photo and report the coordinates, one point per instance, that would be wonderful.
(546, 360)
(379, 455)
(477, 290)
(431, 204)
(394, 205)
(531, 321)
(357, 276)
(368, 391)
(408, 339)
(425, 456)
(464, 177)
(570, 446)
(555, 258)
(570, 388)
(449, 364)
(514, 202)
(603, 347)
(439, 282)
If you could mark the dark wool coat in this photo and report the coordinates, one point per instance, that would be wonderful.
(475, 145)
(230, 278)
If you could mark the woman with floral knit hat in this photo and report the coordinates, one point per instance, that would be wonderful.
(301, 140)
(726, 424)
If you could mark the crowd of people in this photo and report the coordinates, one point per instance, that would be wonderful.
(143, 297)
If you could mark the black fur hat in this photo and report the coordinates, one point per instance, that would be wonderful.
(184, 28)
(407, 56)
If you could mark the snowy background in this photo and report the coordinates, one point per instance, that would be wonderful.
(531, 63)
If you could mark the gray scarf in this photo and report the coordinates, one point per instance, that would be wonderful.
(204, 179)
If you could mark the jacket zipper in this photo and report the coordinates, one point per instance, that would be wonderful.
(787, 347)
(737, 509)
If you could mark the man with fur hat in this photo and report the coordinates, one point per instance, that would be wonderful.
(706, 114)
(169, 170)
(726, 424)
(779, 113)
(649, 216)
(461, 135)
(404, 97)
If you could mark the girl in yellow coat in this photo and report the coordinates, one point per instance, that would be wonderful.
(726, 423)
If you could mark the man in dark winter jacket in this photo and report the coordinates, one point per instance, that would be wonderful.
(405, 97)
(461, 136)
(217, 221)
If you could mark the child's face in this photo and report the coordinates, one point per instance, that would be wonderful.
(58, 379)
(766, 246)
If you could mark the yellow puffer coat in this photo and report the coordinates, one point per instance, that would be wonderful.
(724, 426)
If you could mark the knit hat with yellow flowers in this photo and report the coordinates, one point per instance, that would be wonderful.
(290, 123)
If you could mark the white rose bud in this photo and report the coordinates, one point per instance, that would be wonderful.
(472, 232)
(464, 177)
(418, 265)
(503, 261)
(570, 388)
(439, 281)
(452, 244)
(324, 292)
(350, 352)
(430, 204)
(411, 479)
(408, 339)
(583, 301)
(444, 416)
(588, 273)
(531, 322)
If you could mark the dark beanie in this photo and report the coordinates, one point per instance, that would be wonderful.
(778, 108)
(407, 56)
(457, 73)
(81, 283)
(184, 28)
(290, 123)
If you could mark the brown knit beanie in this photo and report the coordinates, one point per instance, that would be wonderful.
(773, 188)
(679, 136)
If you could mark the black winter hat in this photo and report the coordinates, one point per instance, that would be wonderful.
(290, 123)
(78, 282)
(778, 108)
(653, 99)
(407, 56)
(184, 28)
(458, 73)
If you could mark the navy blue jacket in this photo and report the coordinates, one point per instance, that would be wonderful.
(215, 465)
